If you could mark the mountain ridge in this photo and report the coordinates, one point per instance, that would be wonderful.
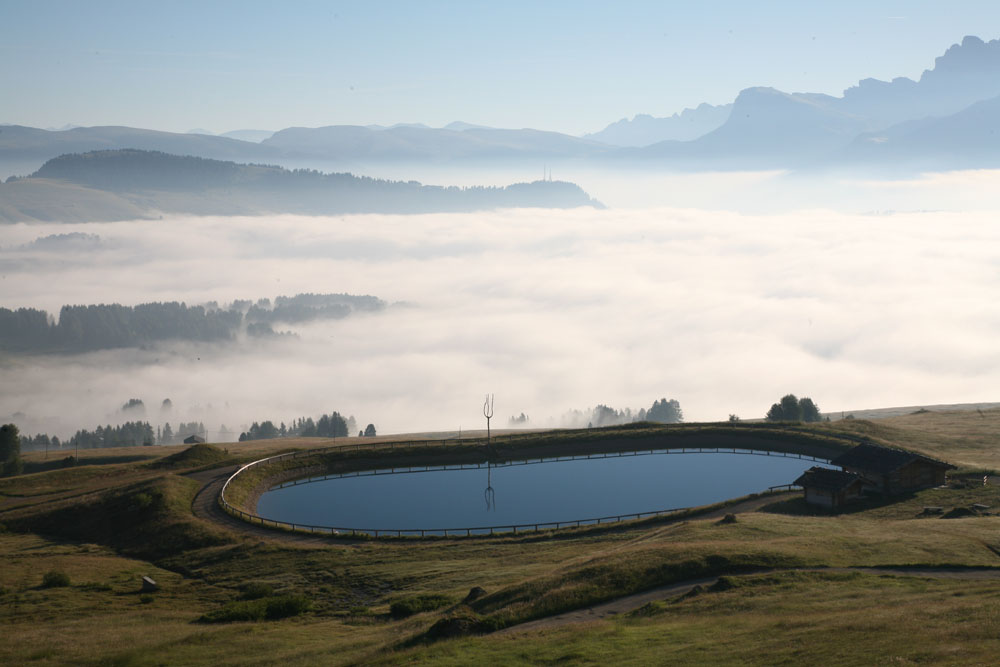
(762, 128)
(115, 185)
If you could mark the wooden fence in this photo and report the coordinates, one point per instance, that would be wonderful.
(472, 530)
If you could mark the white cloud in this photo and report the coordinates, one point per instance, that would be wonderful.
(550, 310)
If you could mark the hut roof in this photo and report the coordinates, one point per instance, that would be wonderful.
(826, 479)
(883, 460)
(194, 440)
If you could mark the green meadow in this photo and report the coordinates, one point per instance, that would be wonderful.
(883, 583)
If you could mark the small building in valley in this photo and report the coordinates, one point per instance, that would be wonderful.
(893, 471)
(830, 488)
(194, 440)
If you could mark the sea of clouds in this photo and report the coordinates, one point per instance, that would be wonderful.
(548, 310)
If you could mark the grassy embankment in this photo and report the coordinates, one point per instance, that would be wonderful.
(242, 493)
(107, 525)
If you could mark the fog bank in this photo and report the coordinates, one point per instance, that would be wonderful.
(548, 310)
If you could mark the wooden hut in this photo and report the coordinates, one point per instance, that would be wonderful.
(830, 488)
(194, 440)
(892, 471)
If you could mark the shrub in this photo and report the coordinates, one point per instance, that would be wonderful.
(13, 467)
(416, 604)
(243, 610)
(256, 590)
(285, 606)
(268, 608)
(55, 579)
(141, 501)
(460, 624)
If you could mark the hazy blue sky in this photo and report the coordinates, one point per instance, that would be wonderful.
(566, 66)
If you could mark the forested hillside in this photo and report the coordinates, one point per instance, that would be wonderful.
(109, 326)
(133, 180)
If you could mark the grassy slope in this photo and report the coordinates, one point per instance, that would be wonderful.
(788, 618)
(43, 200)
(968, 439)
(108, 525)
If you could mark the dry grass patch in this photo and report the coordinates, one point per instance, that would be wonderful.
(769, 619)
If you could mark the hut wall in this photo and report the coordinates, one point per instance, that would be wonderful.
(819, 497)
(872, 479)
(917, 475)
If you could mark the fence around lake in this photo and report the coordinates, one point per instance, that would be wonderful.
(472, 530)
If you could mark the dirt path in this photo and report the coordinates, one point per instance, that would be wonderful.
(629, 603)
(206, 506)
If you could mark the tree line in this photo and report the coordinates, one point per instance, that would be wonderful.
(302, 190)
(333, 425)
(129, 434)
(109, 326)
(663, 411)
(793, 409)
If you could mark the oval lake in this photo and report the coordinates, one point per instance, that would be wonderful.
(532, 492)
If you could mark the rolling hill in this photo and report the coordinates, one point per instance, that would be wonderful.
(128, 184)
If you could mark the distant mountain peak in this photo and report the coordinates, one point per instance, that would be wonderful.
(460, 126)
(396, 126)
(646, 129)
(972, 54)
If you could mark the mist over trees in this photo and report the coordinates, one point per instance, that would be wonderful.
(333, 425)
(135, 405)
(136, 433)
(306, 307)
(792, 409)
(521, 421)
(110, 326)
(129, 434)
(663, 411)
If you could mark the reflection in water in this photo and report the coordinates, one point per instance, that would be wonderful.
(538, 491)
(491, 496)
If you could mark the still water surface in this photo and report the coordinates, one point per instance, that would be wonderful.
(549, 491)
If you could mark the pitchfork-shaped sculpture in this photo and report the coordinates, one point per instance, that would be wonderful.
(488, 413)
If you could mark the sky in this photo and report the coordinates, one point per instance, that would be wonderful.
(572, 67)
